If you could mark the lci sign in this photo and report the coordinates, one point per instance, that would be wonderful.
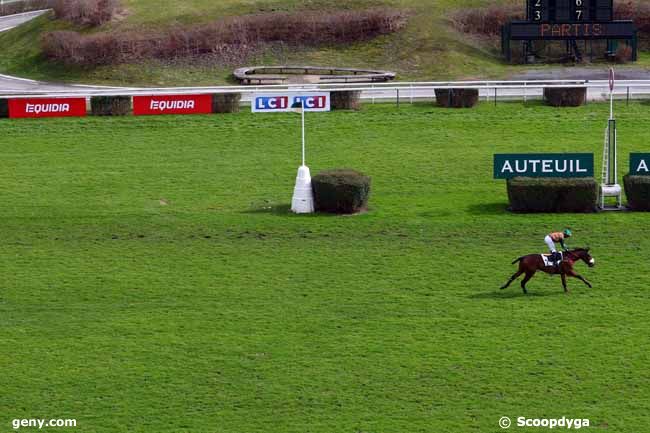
(507, 166)
(279, 103)
(640, 164)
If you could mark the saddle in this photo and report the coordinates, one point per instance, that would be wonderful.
(549, 262)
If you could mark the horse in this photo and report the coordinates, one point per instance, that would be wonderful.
(532, 263)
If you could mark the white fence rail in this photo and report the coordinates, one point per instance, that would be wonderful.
(393, 91)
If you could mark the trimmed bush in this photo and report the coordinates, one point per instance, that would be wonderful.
(565, 97)
(110, 105)
(226, 102)
(637, 190)
(341, 191)
(553, 194)
(345, 100)
(4, 108)
(456, 98)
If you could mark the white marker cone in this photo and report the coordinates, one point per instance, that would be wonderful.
(303, 197)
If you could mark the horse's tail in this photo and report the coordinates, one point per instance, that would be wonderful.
(518, 260)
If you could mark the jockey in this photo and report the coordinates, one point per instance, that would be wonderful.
(554, 237)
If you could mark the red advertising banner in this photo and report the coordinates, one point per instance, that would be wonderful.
(172, 104)
(47, 107)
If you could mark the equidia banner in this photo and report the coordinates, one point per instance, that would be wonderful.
(172, 104)
(278, 103)
(47, 107)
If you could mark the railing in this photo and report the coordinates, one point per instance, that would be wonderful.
(394, 91)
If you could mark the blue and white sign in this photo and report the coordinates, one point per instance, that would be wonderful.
(278, 103)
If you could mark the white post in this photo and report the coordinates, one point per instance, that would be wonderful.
(303, 197)
(303, 135)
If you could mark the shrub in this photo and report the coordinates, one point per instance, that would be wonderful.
(86, 12)
(565, 97)
(4, 108)
(553, 194)
(486, 21)
(456, 98)
(345, 100)
(226, 102)
(231, 40)
(623, 53)
(110, 105)
(24, 6)
(340, 191)
(637, 190)
(636, 10)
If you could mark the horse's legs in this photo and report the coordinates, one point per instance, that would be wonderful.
(564, 283)
(528, 276)
(573, 274)
(513, 278)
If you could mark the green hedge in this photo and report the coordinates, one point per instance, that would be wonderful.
(340, 191)
(226, 102)
(565, 96)
(346, 100)
(553, 194)
(4, 108)
(637, 190)
(456, 98)
(110, 105)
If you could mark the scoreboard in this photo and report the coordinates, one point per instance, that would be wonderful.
(568, 20)
(570, 10)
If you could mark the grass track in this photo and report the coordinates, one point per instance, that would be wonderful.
(220, 312)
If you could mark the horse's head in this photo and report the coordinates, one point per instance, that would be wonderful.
(583, 254)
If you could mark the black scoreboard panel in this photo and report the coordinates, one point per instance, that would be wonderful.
(570, 10)
(525, 30)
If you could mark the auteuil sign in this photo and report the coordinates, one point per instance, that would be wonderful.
(640, 164)
(511, 165)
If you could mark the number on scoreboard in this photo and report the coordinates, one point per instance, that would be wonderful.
(570, 11)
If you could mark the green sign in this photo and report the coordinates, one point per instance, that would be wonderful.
(640, 164)
(511, 165)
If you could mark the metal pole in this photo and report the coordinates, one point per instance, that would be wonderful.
(397, 98)
(611, 104)
(495, 96)
(628, 96)
(303, 134)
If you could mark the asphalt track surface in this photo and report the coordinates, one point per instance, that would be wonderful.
(16, 85)
(8, 83)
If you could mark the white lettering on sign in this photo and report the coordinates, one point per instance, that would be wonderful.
(548, 166)
(171, 105)
(643, 167)
(47, 108)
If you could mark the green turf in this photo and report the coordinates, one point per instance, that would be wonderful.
(153, 280)
(429, 48)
